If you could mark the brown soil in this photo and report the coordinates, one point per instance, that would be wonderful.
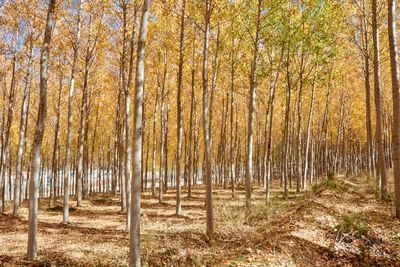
(338, 223)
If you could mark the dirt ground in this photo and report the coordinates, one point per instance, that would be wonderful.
(340, 222)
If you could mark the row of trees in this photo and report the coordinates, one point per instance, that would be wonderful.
(252, 91)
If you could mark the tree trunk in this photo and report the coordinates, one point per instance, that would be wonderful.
(368, 97)
(206, 132)
(126, 83)
(232, 146)
(310, 115)
(5, 145)
(285, 140)
(146, 164)
(80, 171)
(378, 107)
(22, 131)
(153, 163)
(166, 125)
(192, 99)
(394, 64)
(37, 144)
(298, 137)
(67, 177)
(163, 129)
(134, 249)
(252, 107)
(215, 66)
(268, 162)
(179, 112)
(55, 147)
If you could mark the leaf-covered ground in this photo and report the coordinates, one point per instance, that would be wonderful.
(339, 222)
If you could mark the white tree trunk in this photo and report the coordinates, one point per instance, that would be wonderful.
(134, 252)
(37, 143)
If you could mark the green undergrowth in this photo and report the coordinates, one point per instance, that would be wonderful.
(333, 183)
(59, 209)
(352, 224)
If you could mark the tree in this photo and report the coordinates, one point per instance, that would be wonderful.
(365, 51)
(5, 145)
(40, 125)
(252, 107)
(55, 155)
(192, 99)
(381, 166)
(179, 112)
(22, 129)
(206, 133)
(153, 162)
(67, 176)
(394, 67)
(126, 84)
(134, 238)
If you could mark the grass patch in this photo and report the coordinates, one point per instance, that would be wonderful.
(331, 183)
(351, 224)
(59, 209)
(147, 240)
(337, 185)
(330, 175)
(317, 187)
(257, 214)
(234, 214)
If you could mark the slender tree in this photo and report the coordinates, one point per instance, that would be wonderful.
(252, 107)
(206, 133)
(394, 67)
(192, 99)
(67, 176)
(40, 125)
(378, 105)
(179, 112)
(5, 143)
(22, 130)
(54, 163)
(134, 250)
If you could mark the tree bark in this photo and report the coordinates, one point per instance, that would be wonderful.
(162, 132)
(394, 64)
(368, 95)
(378, 106)
(22, 131)
(310, 115)
(37, 144)
(192, 99)
(153, 163)
(206, 132)
(268, 164)
(134, 251)
(67, 176)
(179, 112)
(55, 147)
(285, 138)
(252, 107)
(80, 171)
(5, 145)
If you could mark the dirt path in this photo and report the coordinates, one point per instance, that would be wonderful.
(338, 223)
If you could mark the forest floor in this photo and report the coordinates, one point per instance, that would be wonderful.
(340, 222)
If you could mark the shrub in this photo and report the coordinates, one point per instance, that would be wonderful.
(330, 175)
(59, 209)
(352, 224)
(330, 183)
